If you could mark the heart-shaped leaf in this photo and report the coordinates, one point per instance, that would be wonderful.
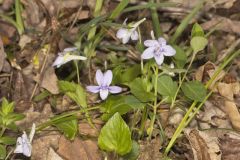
(115, 136)
(139, 88)
(194, 90)
(197, 31)
(198, 43)
(120, 104)
(166, 86)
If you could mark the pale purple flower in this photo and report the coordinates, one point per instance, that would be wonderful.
(104, 81)
(66, 56)
(126, 33)
(23, 144)
(157, 49)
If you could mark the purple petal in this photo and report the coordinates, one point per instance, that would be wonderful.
(114, 89)
(162, 41)
(159, 59)
(122, 32)
(58, 62)
(126, 38)
(134, 35)
(169, 50)
(151, 43)
(148, 53)
(99, 77)
(107, 78)
(103, 94)
(93, 89)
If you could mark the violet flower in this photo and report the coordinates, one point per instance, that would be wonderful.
(157, 49)
(66, 56)
(126, 33)
(23, 144)
(104, 81)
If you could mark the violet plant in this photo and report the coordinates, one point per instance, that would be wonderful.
(149, 84)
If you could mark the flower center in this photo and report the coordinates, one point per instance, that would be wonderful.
(104, 87)
(158, 51)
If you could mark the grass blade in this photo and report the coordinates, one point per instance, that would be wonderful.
(186, 21)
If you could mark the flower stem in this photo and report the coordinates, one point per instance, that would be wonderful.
(181, 81)
(155, 103)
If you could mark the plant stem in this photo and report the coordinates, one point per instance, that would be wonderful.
(181, 81)
(155, 103)
(77, 68)
(48, 123)
(143, 121)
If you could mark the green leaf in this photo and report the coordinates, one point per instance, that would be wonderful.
(180, 57)
(82, 96)
(119, 9)
(11, 118)
(126, 75)
(115, 136)
(3, 152)
(198, 43)
(166, 86)
(194, 90)
(197, 31)
(66, 86)
(68, 127)
(74, 91)
(131, 73)
(7, 140)
(120, 104)
(41, 96)
(133, 154)
(7, 107)
(139, 88)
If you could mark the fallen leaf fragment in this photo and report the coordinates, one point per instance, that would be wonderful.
(78, 149)
(233, 114)
(223, 24)
(204, 147)
(227, 91)
(2, 55)
(52, 155)
(50, 80)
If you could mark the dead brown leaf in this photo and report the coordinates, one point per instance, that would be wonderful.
(42, 142)
(223, 24)
(204, 147)
(212, 116)
(206, 71)
(150, 150)
(230, 147)
(78, 149)
(2, 55)
(49, 81)
(227, 91)
(86, 130)
(52, 155)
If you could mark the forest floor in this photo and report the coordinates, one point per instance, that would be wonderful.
(184, 106)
